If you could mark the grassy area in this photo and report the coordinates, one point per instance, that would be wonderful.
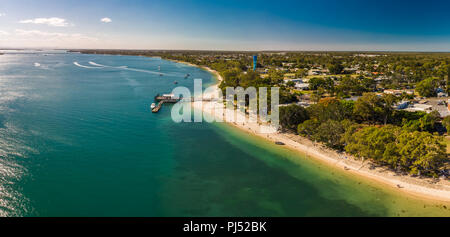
(447, 141)
(303, 91)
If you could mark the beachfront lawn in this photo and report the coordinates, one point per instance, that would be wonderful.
(447, 141)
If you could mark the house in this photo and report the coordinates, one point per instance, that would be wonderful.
(420, 107)
(442, 94)
(289, 76)
(287, 64)
(300, 80)
(301, 86)
(398, 92)
(353, 98)
(316, 72)
(313, 73)
(402, 105)
(380, 78)
(303, 103)
(351, 69)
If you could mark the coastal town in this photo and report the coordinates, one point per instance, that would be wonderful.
(309, 77)
(390, 108)
(226, 117)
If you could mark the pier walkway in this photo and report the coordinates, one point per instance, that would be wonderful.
(172, 100)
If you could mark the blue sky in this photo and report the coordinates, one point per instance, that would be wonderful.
(227, 25)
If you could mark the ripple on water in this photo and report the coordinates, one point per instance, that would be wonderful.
(12, 201)
(13, 151)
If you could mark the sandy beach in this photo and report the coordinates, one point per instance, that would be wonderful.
(423, 188)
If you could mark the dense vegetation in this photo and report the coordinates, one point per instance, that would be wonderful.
(360, 129)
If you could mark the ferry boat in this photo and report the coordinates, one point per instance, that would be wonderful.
(167, 98)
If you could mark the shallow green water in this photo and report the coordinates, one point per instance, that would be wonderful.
(78, 139)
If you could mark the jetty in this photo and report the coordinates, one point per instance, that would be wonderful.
(172, 99)
(158, 107)
(164, 98)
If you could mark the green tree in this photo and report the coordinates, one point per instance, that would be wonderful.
(349, 85)
(388, 103)
(421, 153)
(427, 87)
(287, 97)
(331, 108)
(369, 107)
(415, 152)
(308, 128)
(371, 142)
(330, 133)
(290, 84)
(447, 79)
(446, 123)
(275, 76)
(335, 67)
(426, 123)
(301, 73)
(291, 116)
(316, 82)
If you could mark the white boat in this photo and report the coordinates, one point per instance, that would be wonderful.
(153, 106)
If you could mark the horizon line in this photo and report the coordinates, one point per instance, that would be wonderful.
(223, 50)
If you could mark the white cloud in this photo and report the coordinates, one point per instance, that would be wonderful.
(3, 33)
(36, 38)
(53, 21)
(51, 36)
(20, 38)
(2, 14)
(106, 20)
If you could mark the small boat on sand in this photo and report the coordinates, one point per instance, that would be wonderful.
(280, 143)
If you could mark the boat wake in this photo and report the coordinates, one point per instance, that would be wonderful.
(79, 65)
(125, 68)
(99, 66)
(96, 64)
(140, 70)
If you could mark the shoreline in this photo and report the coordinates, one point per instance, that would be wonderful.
(419, 187)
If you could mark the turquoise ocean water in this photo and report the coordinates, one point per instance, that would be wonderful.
(77, 138)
